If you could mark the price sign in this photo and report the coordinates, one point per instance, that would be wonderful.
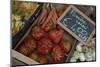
(77, 24)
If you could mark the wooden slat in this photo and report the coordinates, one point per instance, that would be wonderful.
(23, 58)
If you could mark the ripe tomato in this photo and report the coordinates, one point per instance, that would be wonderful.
(30, 42)
(27, 46)
(44, 46)
(37, 32)
(57, 54)
(66, 46)
(56, 35)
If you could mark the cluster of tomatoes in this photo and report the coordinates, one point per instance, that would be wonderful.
(46, 43)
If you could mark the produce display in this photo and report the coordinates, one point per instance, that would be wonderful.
(21, 12)
(84, 52)
(46, 42)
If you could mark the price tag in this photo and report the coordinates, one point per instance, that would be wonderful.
(77, 24)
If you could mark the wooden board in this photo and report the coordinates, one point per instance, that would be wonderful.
(23, 58)
(77, 24)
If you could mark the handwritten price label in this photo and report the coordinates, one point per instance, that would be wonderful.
(77, 24)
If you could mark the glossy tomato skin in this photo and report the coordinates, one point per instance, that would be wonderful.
(56, 35)
(38, 32)
(57, 54)
(44, 46)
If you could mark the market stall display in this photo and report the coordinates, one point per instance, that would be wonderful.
(46, 41)
(84, 52)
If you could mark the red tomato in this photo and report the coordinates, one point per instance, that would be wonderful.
(44, 46)
(57, 54)
(37, 32)
(56, 35)
(27, 46)
(66, 47)
(30, 42)
(24, 50)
